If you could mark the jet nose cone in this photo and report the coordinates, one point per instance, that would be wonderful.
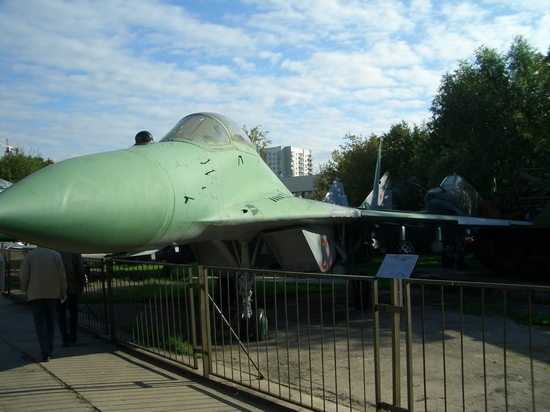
(106, 202)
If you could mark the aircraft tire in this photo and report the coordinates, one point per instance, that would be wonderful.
(259, 329)
(254, 328)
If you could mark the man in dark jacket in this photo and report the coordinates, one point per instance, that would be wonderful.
(43, 280)
(76, 280)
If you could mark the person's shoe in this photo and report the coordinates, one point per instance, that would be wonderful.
(46, 358)
(73, 341)
(66, 344)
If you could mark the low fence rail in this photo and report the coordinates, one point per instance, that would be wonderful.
(333, 342)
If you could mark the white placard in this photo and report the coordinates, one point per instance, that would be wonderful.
(397, 266)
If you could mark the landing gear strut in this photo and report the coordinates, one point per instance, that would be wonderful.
(247, 324)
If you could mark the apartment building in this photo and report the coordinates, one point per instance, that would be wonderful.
(289, 161)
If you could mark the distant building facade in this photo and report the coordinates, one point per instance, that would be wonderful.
(289, 161)
(300, 186)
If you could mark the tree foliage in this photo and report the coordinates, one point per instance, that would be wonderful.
(258, 137)
(489, 118)
(16, 164)
(355, 163)
(324, 178)
(404, 156)
(348, 164)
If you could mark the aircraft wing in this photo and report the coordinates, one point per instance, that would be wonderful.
(245, 220)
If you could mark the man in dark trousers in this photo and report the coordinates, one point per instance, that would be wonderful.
(43, 279)
(76, 280)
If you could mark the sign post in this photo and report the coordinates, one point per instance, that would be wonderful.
(397, 268)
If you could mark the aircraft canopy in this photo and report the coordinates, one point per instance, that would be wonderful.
(452, 180)
(207, 128)
(4, 184)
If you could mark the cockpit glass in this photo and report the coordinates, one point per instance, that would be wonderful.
(4, 184)
(453, 180)
(237, 133)
(207, 128)
(200, 129)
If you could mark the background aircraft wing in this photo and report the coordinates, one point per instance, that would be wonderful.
(380, 216)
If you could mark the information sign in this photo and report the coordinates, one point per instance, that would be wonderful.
(397, 266)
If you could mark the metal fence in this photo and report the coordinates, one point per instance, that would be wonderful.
(329, 342)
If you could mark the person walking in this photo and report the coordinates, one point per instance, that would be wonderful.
(42, 278)
(76, 280)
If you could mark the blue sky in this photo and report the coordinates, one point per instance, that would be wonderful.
(84, 76)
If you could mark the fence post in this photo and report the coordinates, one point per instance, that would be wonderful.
(110, 303)
(376, 343)
(204, 320)
(192, 317)
(396, 343)
(409, 344)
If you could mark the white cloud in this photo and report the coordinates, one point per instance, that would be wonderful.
(243, 64)
(78, 77)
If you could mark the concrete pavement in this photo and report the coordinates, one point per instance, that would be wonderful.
(95, 375)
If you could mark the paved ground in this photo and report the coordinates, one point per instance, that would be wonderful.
(95, 375)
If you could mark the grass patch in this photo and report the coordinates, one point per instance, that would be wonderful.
(145, 292)
(425, 261)
(138, 271)
(140, 292)
(173, 343)
(291, 288)
(493, 305)
(180, 346)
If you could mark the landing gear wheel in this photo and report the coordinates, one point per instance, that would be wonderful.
(259, 330)
(254, 328)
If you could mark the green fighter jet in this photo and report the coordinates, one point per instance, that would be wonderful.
(203, 185)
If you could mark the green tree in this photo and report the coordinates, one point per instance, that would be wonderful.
(324, 178)
(354, 165)
(404, 156)
(355, 162)
(16, 164)
(259, 138)
(357, 165)
(490, 117)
